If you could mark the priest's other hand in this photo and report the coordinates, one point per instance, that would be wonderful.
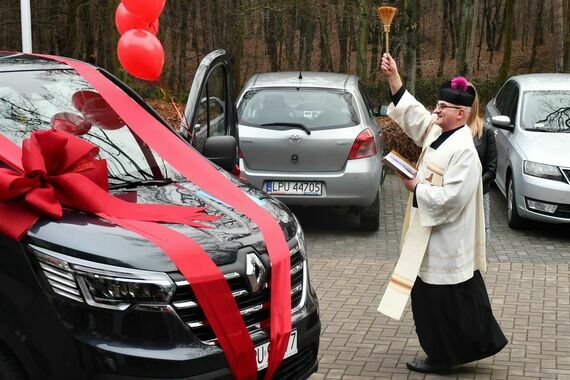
(409, 183)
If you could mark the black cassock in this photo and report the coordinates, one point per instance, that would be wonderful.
(455, 323)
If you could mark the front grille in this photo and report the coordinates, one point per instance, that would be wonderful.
(254, 308)
(567, 174)
(59, 276)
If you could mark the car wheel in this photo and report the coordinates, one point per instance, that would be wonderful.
(10, 368)
(370, 215)
(513, 218)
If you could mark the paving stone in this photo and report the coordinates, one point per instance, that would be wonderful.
(528, 281)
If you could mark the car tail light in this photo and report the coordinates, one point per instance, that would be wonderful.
(364, 145)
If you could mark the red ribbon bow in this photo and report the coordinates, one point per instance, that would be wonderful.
(60, 170)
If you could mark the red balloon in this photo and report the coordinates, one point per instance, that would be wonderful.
(147, 10)
(70, 123)
(141, 54)
(125, 20)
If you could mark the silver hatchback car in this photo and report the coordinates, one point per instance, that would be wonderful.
(531, 117)
(312, 139)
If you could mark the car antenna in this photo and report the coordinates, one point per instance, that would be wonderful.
(300, 75)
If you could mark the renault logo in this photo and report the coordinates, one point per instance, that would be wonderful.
(295, 139)
(255, 272)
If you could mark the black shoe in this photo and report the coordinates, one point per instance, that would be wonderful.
(427, 366)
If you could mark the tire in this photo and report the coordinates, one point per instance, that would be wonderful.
(513, 219)
(370, 215)
(10, 368)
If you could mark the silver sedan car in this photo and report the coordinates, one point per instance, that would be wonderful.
(312, 139)
(531, 117)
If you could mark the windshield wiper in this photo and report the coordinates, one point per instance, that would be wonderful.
(142, 182)
(294, 125)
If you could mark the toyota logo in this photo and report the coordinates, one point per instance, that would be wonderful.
(255, 272)
(295, 139)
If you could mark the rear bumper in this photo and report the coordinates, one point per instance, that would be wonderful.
(356, 185)
(543, 190)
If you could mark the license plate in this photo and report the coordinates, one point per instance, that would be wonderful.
(294, 188)
(262, 351)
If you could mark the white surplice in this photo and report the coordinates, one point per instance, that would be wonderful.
(443, 239)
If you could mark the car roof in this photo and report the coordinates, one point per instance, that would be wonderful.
(309, 79)
(543, 81)
(15, 61)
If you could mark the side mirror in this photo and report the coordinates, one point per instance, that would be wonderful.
(222, 151)
(502, 122)
(382, 111)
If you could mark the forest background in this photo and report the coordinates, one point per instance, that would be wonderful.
(432, 40)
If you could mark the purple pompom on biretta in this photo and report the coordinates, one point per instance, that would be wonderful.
(459, 83)
(457, 91)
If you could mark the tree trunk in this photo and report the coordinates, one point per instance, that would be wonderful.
(504, 70)
(364, 9)
(538, 36)
(567, 39)
(444, 34)
(239, 37)
(464, 63)
(410, 46)
(452, 34)
(325, 63)
(343, 37)
(558, 36)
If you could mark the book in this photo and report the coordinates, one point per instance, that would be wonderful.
(399, 164)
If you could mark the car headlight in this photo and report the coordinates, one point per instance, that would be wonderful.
(102, 285)
(542, 170)
(300, 236)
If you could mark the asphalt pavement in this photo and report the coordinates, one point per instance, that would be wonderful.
(527, 280)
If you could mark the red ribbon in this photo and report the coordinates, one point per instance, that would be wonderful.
(60, 170)
(196, 266)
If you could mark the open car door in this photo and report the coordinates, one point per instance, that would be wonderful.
(210, 112)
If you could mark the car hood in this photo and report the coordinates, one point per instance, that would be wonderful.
(546, 148)
(91, 238)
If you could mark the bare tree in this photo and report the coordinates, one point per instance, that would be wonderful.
(504, 70)
(558, 35)
(464, 63)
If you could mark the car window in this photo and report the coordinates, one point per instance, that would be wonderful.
(211, 117)
(62, 100)
(546, 111)
(512, 104)
(367, 102)
(314, 108)
(504, 97)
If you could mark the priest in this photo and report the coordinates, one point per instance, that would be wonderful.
(443, 239)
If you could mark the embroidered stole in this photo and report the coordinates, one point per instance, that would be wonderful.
(415, 239)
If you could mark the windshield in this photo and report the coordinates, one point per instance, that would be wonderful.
(546, 111)
(312, 108)
(61, 99)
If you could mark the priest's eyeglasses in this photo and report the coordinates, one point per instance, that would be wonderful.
(442, 106)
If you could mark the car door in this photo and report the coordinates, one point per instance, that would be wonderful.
(210, 109)
(505, 103)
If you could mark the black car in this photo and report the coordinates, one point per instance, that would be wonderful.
(81, 298)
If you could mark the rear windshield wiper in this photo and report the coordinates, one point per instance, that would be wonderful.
(294, 125)
(142, 182)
